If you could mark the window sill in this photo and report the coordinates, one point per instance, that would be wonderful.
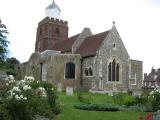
(69, 78)
(134, 84)
(88, 76)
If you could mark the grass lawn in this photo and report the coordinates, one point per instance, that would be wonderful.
(70, 113)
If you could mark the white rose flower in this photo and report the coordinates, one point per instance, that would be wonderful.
(17, 97)
(11, 77)
(16, 89)
(25, 98)
(26, 87)
(29, 87)
(21, 96)
(25, 78)
(22, 82)
(31, 78)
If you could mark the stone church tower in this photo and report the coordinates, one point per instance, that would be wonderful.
(51, 29)
(95, 62)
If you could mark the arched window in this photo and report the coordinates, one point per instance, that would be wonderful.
(70, 70)
(109, 72)
(113, 71)
(90, 72)
(86, 71)
(117, 72)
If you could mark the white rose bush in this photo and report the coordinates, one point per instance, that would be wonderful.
(25, 99)
(154, 99)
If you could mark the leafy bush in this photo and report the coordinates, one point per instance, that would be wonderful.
(141, 100)
(84, 99)
(154, 99)
(29, 99)
(128, 100)
(52, 97)
(97, 107)
(124, 99)
(118, 98)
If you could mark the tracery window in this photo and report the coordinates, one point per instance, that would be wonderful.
(113, 71)
(88, 71)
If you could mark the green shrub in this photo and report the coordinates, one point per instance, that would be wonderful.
(18, 110)
(118, 98)
(154, 99)
(124, 99)
(87, 99)
(97, 107)
(141, 100)
(128, 100)
(3, 112)
(29, 99)
(52, 97)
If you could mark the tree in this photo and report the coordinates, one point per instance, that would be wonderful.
(3, 43)
(10, 64)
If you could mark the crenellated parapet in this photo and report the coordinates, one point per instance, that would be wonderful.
(53, 20)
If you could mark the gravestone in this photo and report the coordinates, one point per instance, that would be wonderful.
(69, 91)
(59, 87)
(110, 93)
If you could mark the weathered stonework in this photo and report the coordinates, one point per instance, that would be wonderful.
(99, 62)
(55, 68)
(87, 80)
(137, 70)
(85, 33)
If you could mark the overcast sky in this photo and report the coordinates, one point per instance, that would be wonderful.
(137, 21)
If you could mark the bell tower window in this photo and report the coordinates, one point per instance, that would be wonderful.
(57, 32)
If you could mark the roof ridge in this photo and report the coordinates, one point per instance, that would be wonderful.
(91, 44)
(99, 33)
(66, 39)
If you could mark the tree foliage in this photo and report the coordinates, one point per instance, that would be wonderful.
(3, 42)
(10, 64)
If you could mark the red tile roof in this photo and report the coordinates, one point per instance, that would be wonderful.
(65, 45)
(91, 44)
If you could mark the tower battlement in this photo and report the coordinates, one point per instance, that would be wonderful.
(53, 20)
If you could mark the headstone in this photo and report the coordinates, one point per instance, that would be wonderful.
(110, 93)
(69, 91)
(59, 87)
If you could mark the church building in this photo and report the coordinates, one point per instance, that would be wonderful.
(85, 61)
